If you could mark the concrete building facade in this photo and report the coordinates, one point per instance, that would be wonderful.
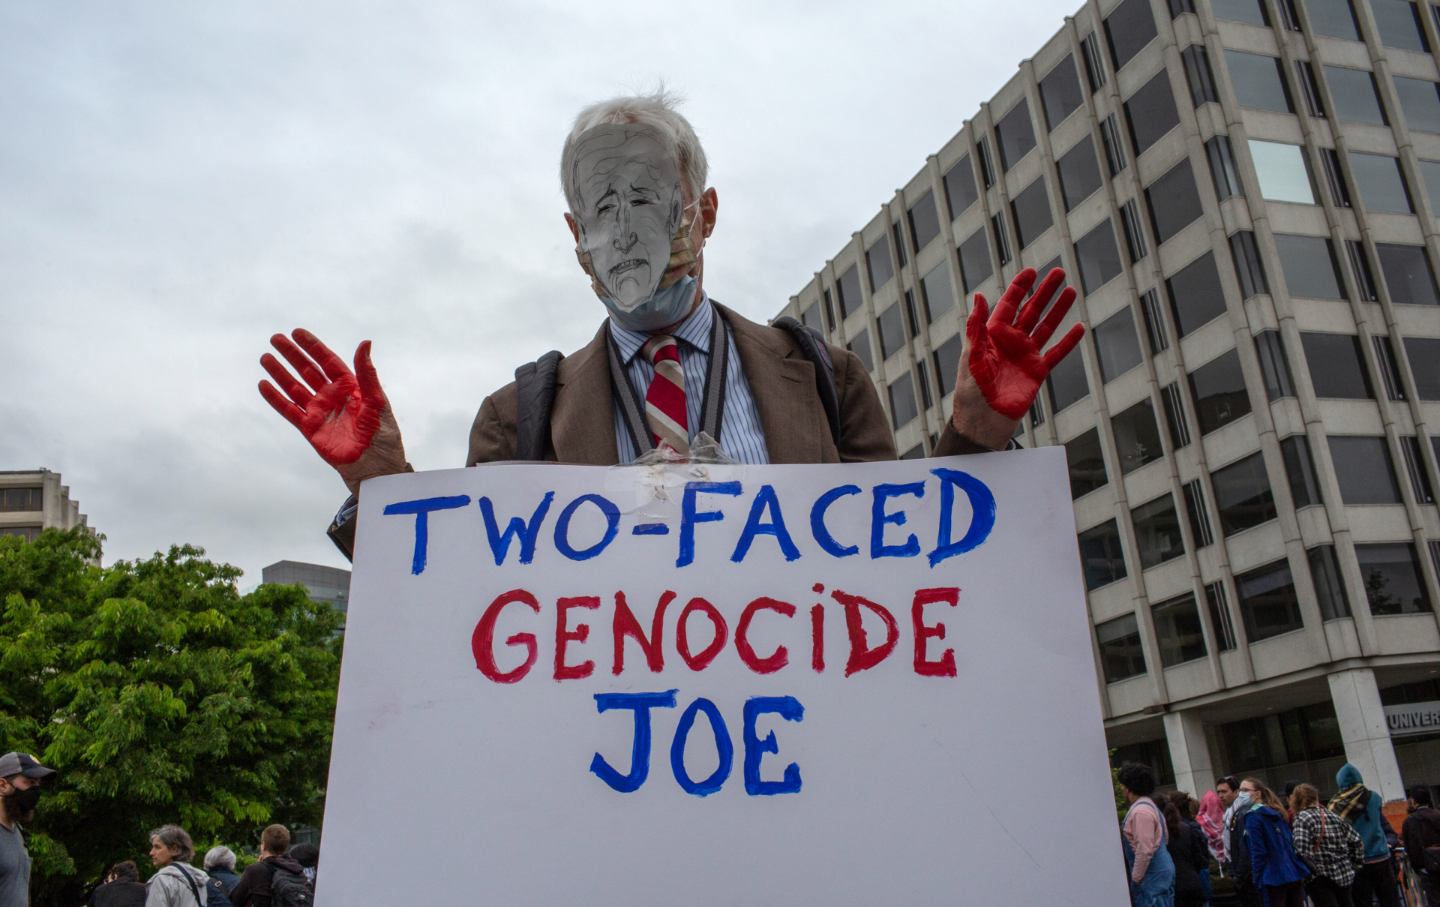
(1245, 192)
(328, 585)
(32, 500)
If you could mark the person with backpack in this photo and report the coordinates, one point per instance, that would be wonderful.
(176, 884)
(1144, 837)
(122, 888)
(220, 864)
(1360, 806)
(1421, 836)
(274, 880)
(1327, 844)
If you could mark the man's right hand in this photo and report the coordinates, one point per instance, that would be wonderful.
(345, 416)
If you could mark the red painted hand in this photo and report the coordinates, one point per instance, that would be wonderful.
(1001, 363)
(345, 416)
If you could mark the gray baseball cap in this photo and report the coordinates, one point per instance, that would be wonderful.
(12, 764)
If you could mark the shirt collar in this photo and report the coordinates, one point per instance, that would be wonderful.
(694, 330)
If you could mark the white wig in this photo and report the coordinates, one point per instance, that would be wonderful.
(659, 112)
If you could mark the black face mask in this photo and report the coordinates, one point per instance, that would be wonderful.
(20, 804)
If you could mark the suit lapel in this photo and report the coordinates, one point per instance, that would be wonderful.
(782, 381)
(582, 418)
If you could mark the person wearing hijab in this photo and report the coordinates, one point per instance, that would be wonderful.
(1328, 844)
(1277, 873)
(1211, 817)
(1360, 806)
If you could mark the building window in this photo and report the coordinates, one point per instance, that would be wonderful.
(25, 499)
(1180, 7)
(1114, 150)
(1309, 266)
(849, 290)
(1332, 18)
(1242, 495)
(877, 260)
(1399, 25)
(1174, 201)
(1389, 372)
(1094, 63)
(1014, 135)
(911, 318)
(1002, 238)
(1134, 233)
(1354, 95)
(960, 189)
(1060, 92)
(1272, 744)
(1098, 257)
(1241, 11)
(1364, 470)
(1157, 531)
(1154, 322)
(1199, 514)
(1136, 437)
(1079, 173)
(1337, 368)
(1128, 28)
(1424, 356)
(1259, 81)
(1382, 188)
(922, 379)
(1415, 468)
(1249, 268)
(1310, 88)
(1175, 415)
(1178, 630)
(1393, 582)
(898, 232)
(810, 317)
(987, 166)
(975, 264)
(1274, 366)
(1121, 655)
(1151, 112)
(1101, 558)
(829, 310)
(1430, 172)
(1283, 171)
(860, 346)
(1196, 296)
(1222, 167)
(902, 401)
(1067, 381)
(939, 294)
(915, 453)
(1408, 274)
(1360, 266)
(1117, 345)
(924, 222)
(1031, 209)
(1218, 389)
(1218, 604)
(1198, 75)
(947, 361)
(1087, 463)
(892, 331)
(1268, 601)
(1300, 470)
(1329, 587)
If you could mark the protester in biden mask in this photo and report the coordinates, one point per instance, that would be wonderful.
(669, 362)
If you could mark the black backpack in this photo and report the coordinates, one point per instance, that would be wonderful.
(290, 889)
(535, 390)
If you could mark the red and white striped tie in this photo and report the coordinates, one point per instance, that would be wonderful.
(665, 399)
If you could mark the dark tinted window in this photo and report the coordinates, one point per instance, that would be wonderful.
(1268, 601)
(1128, 29)
(924, 223)
(1309, 265)
(1353, 92)
(1364, 470)
(1060, 92)
(960, 189)
(1067, 381)
(860, 346)
(1242, 495)
(1222, 167)
(902, 401)
(1393, 582)
(849, 288)
(1399, 25)
(938, 291)
(1218, 389)
(1198, 75)
(1174, 201)
(1300, 469)
(1079, 173)
(1378, 178)
(1240, 11)
(1337, 368)
(1121, 655)
(1178, 630)
(811, 318)
(1407, 274)
(1014, 135)
(1274, 365)
(892, 331)
(1258, 81)
(1087, 464)
(1249, 268)
(1100, 555)
(975, 266)
(1137, 439)
(1333, 18)
(1151, 112)
(1430, 173)
(1195, 294)
(1032, 212)
(1157, 531)
(1098, 256)
(877, 258)
(1117, 344)
(1424, 356)
(947, 360)
(1329, 587)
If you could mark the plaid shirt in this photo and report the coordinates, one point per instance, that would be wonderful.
(1329, 844)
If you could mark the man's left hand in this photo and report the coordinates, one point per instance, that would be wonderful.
(1001, 363)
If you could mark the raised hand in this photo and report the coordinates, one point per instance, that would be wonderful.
(1001, 363)
(344, 415)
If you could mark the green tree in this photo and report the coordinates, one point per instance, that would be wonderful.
(160, 694)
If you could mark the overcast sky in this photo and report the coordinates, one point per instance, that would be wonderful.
(180, 180)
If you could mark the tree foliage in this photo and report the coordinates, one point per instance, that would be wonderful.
(160, 694)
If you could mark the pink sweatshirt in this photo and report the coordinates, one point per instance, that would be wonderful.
(1144, 829)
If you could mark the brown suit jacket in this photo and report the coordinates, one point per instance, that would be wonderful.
(781, 379)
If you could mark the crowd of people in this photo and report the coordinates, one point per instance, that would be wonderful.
(1276, 851)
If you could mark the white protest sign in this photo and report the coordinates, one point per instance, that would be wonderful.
(860, 684)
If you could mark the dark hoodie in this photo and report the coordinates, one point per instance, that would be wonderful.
(253, 889)
(1364, 811)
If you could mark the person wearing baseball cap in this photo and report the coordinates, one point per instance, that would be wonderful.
(21, 776)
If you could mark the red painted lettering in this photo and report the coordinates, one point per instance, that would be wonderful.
(625, 625)
(780, 657)
(482, 641)
(682, 637)
(817, 637)
(945, 666)
(564, 635)
(862, 656)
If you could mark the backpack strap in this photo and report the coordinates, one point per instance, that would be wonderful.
(812, 344)
(534, 395)
(193, 890)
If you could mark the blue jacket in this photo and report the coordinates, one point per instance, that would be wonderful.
(1272, 852)
(1367, 821)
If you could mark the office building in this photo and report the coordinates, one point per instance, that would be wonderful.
(327, 585)
(32, 500)
(1245, 192)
